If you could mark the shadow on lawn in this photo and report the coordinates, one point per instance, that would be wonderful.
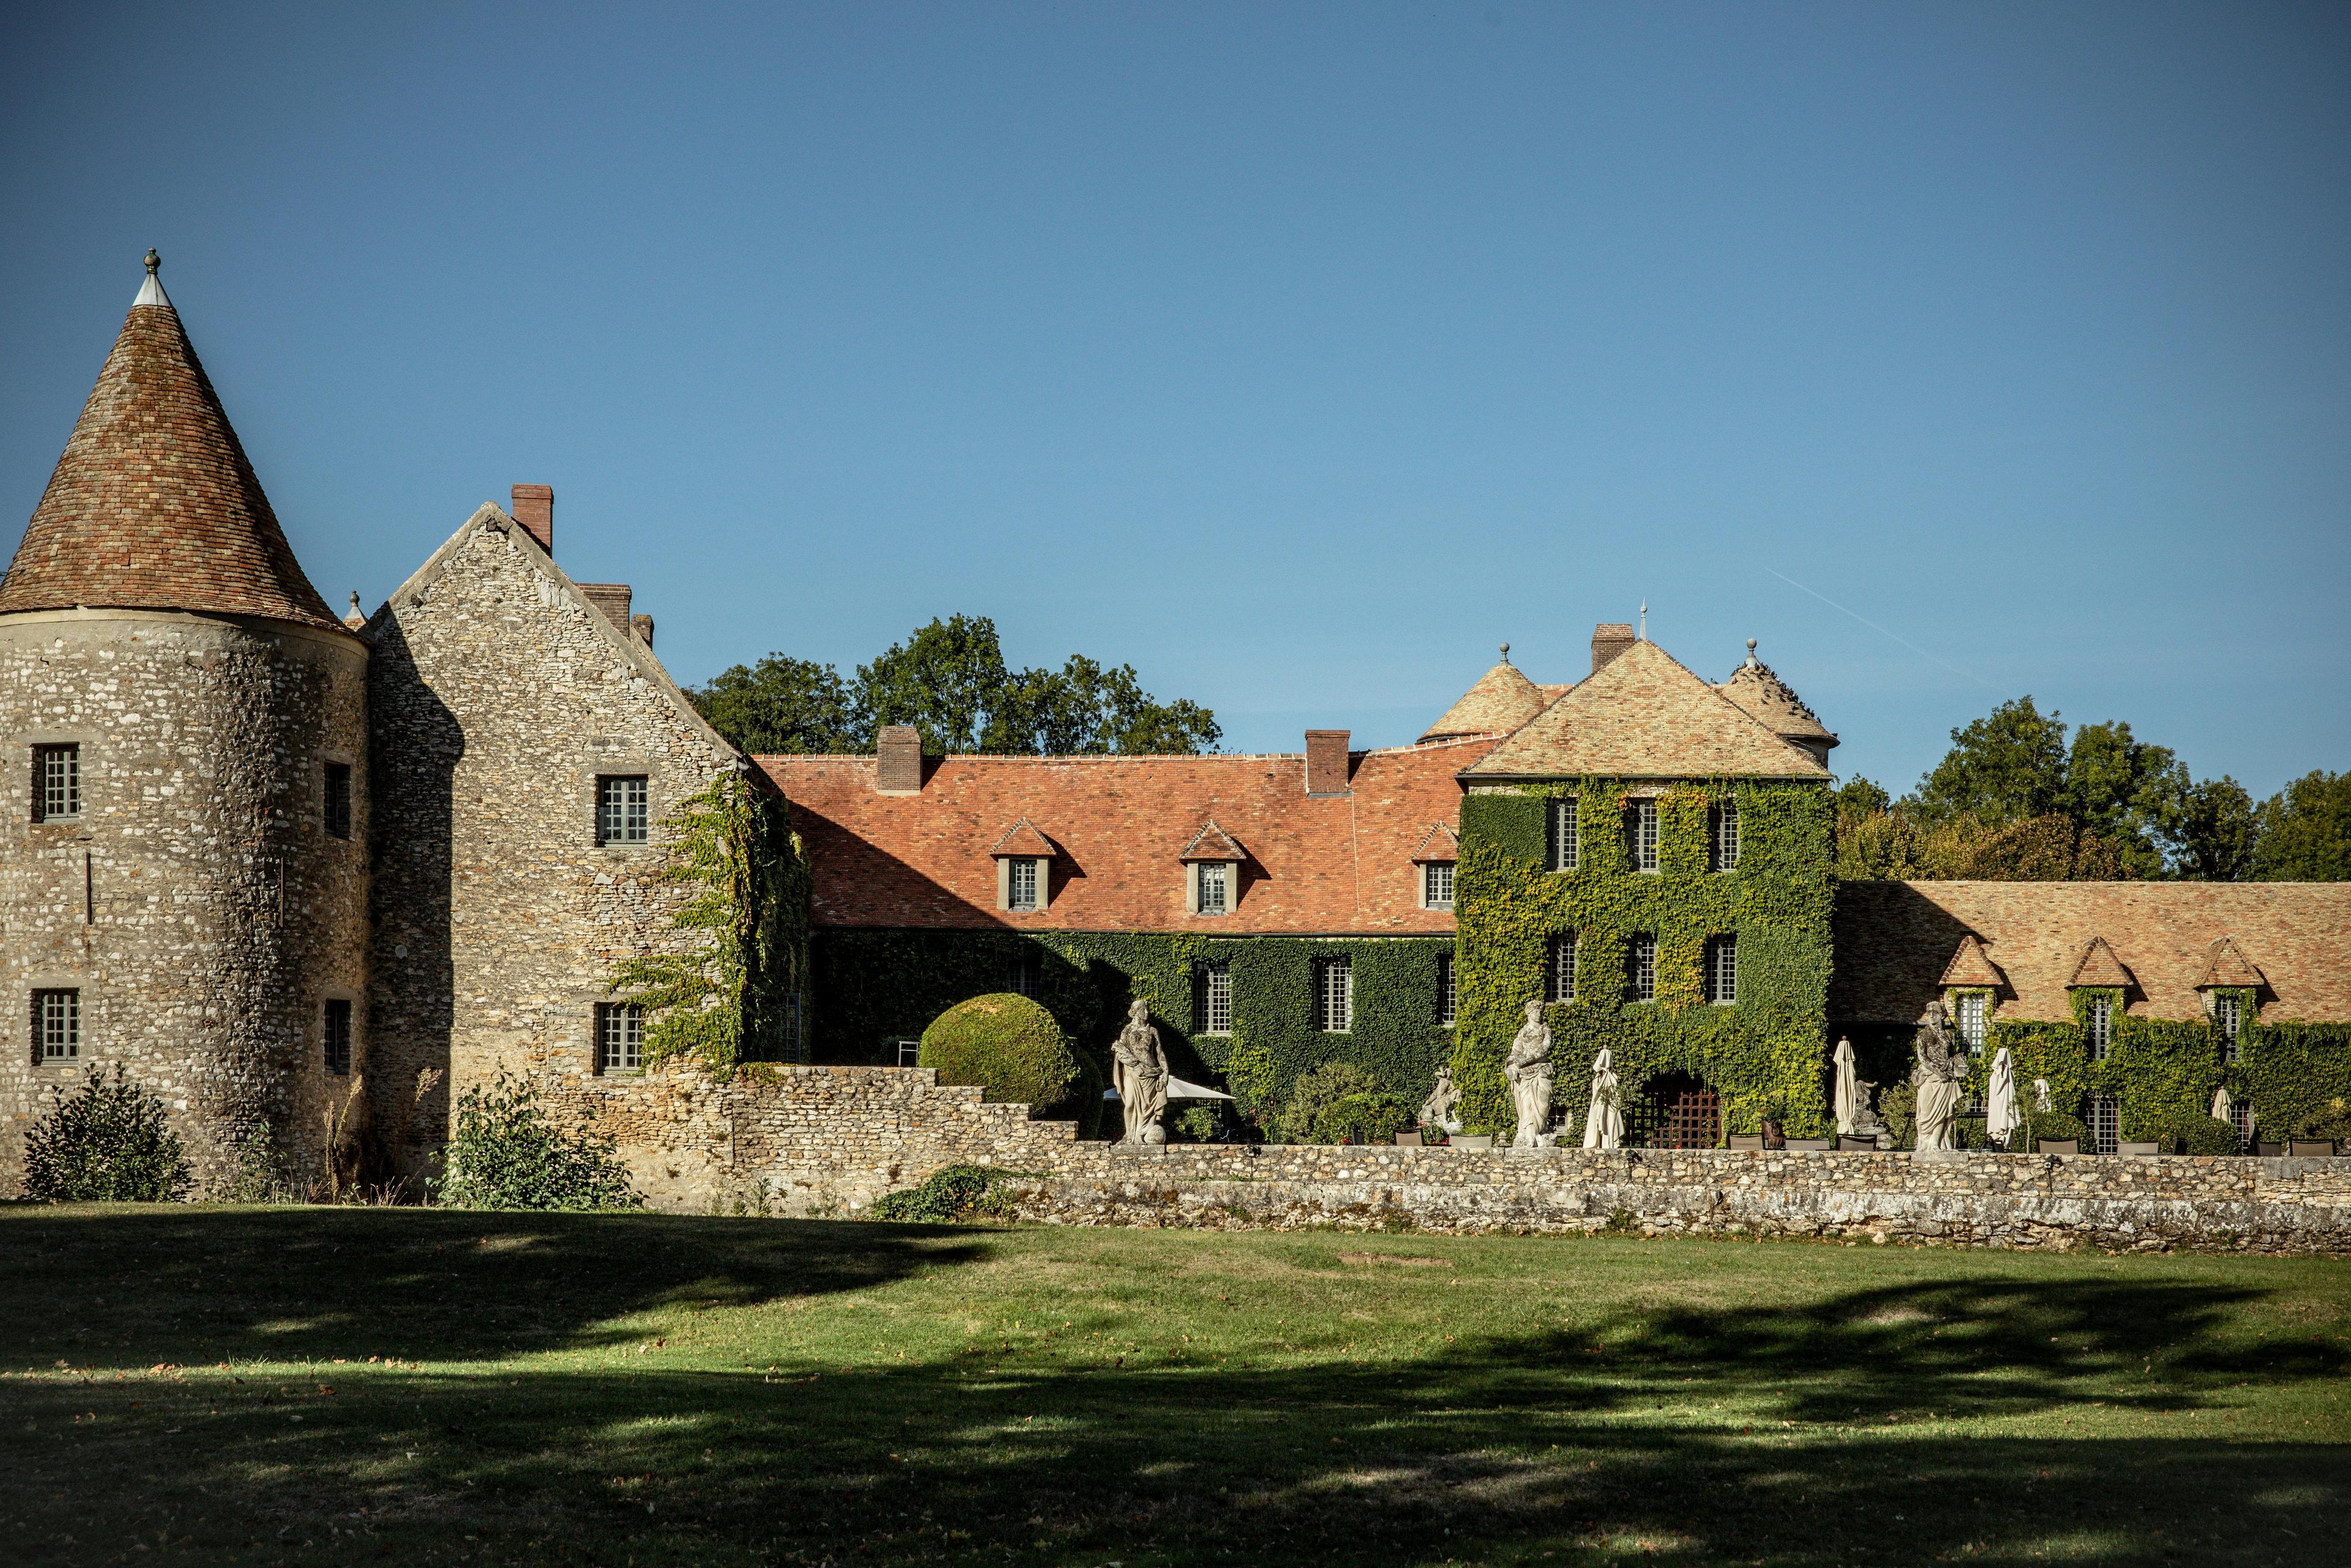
(194, 1285)
(1498, 1449)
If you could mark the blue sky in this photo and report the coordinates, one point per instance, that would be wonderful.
(1298, 355)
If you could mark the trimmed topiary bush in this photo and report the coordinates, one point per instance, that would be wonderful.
(2202, 1135)
(1374, 1116)
(1014, 1051)
(504, 1154)
(108, 1141)
(2041, 1125)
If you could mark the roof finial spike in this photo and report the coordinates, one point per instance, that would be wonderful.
(154, 262)
(151, 289)
(1644, 621)
(1750, 652)
(1506, 653)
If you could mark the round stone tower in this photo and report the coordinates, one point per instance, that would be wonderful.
(183, 783)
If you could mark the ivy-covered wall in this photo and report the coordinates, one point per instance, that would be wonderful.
(873, 985)
(1766, 1049)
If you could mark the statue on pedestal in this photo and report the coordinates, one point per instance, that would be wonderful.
(1442, 1109)
(1529, 1070)
(1940, 1079)
(1140, 1067)
(1604, 1123)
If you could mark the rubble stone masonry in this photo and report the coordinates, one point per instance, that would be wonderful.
(831, 1139)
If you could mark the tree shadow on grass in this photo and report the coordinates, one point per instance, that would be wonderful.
(1742, 1434)
(196, 1285)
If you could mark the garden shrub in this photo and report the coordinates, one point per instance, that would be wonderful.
(2202, 1135)
(2331, 1120)
(505, 1154)
(953, 1192)
(1373, 1116)
(2040, 1125)
(108, 1141)
(1317, 1091)
(1897, 1107)
(1016, 1053)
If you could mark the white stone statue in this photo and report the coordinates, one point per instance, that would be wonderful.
(1443, 1106)
(2040, 1095)
(1529, 1070)
(1140, 1066)
(1940, 1079)
(2000, 1119)
(1604, 1123)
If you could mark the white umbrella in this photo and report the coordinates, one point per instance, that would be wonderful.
(1848, 1090)
(2222, 1103)
(1999, 1115)
(1603, 1123)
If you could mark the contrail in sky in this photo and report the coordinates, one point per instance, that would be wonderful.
(1881, 631)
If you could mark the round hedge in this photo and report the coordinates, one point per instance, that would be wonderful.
(2203, 1135)
(2057, 1125)
(1015, 1053)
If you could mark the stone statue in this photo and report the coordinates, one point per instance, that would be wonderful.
(2000, 1106)
(1940, 1079)
(1443, 1106)
(1604, 1121)
(1857, 1117)
(1140, 1067)
(1529, 1070)
(2040, 1095)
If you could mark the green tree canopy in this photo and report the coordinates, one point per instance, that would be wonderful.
(949, 680)
(2304, 831)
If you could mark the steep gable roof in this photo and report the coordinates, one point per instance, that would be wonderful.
(1501, 700)
(1022, 840)
(1439, 844)
(1971, 965)
(2099, 969)
(1211, 843)
(2224, 966)
(1644, 715)
(152, 504)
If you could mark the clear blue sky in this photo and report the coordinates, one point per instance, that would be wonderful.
(1298, 355)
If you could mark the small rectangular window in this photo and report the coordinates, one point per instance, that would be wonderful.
(2227, 1015)
(1212, 998)
(1026, 975)
(56, 1025)
(1559, 969)
(1436, 885)
(336, 797)
(1562, 845)
(2105, 1125)
(1725, 836)
(1334, 995)
(56, 782)
(1644, 967)
(1021, 893)
(2241, 1116)
(622, 810)
(1722, 970)
(2102, 1026)
(336, 1035)
(795, 1028)
(1641, 835)
(1216, 880)
(1972, 1010)
(1448, 991)
(620, 1037)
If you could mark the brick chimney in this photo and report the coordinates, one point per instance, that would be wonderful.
(533, 508)
(644, 627)
(1609, 639)
(612, 598)
(1326, 762)
(898, 761)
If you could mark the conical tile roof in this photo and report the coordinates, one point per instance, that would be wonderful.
(2100, 969)
(1767, 699)
(153, 504)
(1502, 700)
(1971, 965)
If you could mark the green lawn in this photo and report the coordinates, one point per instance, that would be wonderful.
(362, 1385)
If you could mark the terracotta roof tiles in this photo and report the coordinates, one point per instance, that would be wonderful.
(1022, 840)
(1211, 843)
(2224, 966)
(1501, 700)
(2100, 969)
(1971, 965)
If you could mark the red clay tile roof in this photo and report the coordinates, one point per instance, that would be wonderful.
(1892, 938)
(1971, 966)
(1023, 841)
(2099, 967)
(1312, 866)
(1441, 843)
(2224, 966)
(153, 504)
(1212, 843)
(1501, 700)
(1643, 714)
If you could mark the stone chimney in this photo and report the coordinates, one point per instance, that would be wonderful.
(1326, 762)
(1609, 639)
(898, 761)
(644, 627)
(612, 598)
(533, 508)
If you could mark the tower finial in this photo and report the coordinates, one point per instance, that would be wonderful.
(1506, 653)
(154, 262)
(1644, 621)
(1750, 652)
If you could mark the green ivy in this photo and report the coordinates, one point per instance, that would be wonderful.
(875, 985)
(2292, 1070)
(730, 998)
(1769, 1048)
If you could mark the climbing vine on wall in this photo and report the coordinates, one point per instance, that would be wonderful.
(737, 994)
(1764, 1050)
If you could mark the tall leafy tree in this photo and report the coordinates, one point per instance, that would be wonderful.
(2130, 794)
(2305, 830)
(783, 704)
(2003, 767)
(949, 680)
(2218, 826)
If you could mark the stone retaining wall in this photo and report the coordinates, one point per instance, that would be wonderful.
(819, 1140)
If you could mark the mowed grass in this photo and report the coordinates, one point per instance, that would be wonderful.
(360, 1385)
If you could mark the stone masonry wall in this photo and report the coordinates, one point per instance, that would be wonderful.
(197, 903)
(822, 1140)
(498, 695)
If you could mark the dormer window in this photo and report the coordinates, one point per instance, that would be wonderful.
(1215, 881)
(1212, 872)
(2101, 1019)
(1972, 1012)
(1641, 834)
(2228, 1018)
(1436, 885)
(1024, 869)
(1023, 875)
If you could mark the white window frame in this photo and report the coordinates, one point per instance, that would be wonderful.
(56, 1024)
(1722, 970)
(2228, 1018)
(1560, 958)
(1641, 835)
(1437, 884)
(1973, 1036)
(1563, 847)
(619, 1039)
(1448, 991)
(57, 794)
(1020, 884)
(1200, 877)
(2098, 1026)
(2105, 1124)
(1334, 994)
(1215, 980)
(1641, 966)
(1725, 840)
(624, 816)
